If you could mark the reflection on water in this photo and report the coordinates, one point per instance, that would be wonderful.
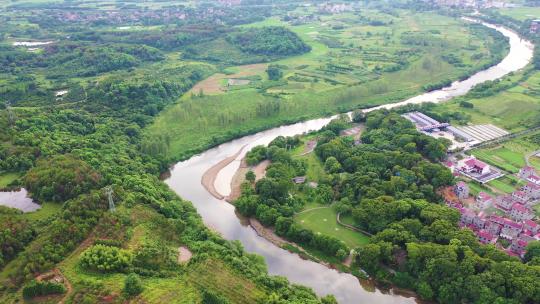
(18, 199)
(185, 180)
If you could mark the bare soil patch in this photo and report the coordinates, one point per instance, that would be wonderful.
(184, 254)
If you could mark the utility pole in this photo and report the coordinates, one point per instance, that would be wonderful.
(109, 192)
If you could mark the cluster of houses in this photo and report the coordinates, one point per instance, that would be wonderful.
(135, 15)
(472, 3)
(517, 225)
(335, 8)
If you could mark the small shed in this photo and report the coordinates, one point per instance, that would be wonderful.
(299, 179)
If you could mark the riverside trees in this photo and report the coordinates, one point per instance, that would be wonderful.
(388, 184)
(392, 162)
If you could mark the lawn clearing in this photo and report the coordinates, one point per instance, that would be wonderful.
(7, 178)
(214, 84)
(324, 221)
(47, 210)
(315, 170)
(506, 184)
(502, 157)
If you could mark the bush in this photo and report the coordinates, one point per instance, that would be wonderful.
(210, 297)
(154, 256)
(466, 104)
(133, 285)
(36, 289)
(106, 259)
(107, 242)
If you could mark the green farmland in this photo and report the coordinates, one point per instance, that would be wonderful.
(351, 64)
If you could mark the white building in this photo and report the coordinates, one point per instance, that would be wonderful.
(473, 165)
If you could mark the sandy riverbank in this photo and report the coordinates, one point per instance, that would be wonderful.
(209, 177)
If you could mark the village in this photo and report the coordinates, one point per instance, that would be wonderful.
(506, 220)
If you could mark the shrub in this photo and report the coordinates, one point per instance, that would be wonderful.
(106, 259)
(36, 289)
(133, 285)
(210, 297)
(154, 256)
(108, 242)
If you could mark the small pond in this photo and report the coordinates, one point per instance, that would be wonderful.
(18, 199)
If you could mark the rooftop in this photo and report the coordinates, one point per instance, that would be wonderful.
(482, 196)
(519, 207)
(533, 186)
(473, 162)
(530, 223)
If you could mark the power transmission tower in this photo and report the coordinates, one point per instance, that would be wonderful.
(109, 192)
(11, 115)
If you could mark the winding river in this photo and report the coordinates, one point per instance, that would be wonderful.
(185, 180)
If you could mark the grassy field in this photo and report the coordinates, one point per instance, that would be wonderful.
(344, 70)
(7, 178)
(502, 157)
(47, 209)
(521, 13)
(506, 184)
(324, 221)
(514, 109)
(510, 155)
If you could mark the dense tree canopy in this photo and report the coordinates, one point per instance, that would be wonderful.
(272, 41)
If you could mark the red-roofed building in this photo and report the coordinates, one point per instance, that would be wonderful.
(497, 219)
(526, 171)
(520, 196)
(520, 212)
(493, 228)
(485, 237)
(518, 246)
(483, 200)
(532, 190)
(473, 165)
(532, 226)
(508, 223)
(467, 216)
(505, 202)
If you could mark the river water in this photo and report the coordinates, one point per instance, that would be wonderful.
(185, 180)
